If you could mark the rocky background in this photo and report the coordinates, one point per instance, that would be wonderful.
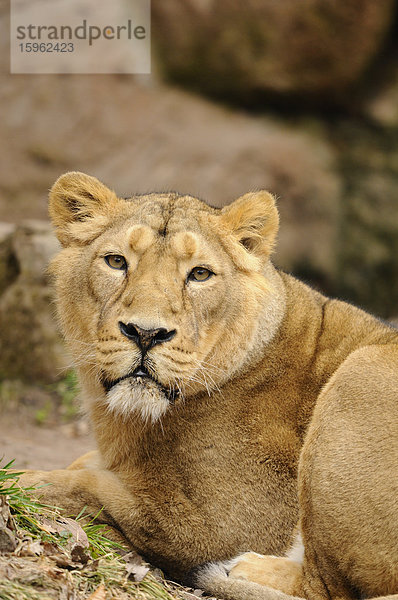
(299, 98)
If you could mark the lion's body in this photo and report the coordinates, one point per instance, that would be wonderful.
(211, 470)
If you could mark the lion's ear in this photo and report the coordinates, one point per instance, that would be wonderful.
(79, 206)
(253, 220)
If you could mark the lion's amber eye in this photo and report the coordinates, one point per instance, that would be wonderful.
(116, 261)
(200, 274)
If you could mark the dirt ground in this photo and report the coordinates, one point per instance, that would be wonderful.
(42, 447)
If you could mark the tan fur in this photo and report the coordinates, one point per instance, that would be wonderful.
(140, 238)
(273, 571)
(263, 377)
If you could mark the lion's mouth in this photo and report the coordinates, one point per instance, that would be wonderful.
(141, 375)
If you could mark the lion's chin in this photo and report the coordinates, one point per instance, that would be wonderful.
(136, 395)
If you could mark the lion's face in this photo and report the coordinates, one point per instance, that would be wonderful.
(159, 295)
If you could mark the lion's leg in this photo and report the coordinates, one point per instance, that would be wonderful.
(86, 461)
(77, 488)
(348, 481)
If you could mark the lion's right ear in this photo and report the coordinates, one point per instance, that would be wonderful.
(81, 207)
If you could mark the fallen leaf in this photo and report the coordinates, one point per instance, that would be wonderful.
(138, 573)
(64, 525)
(76, 539)
(49, 548)
(132, 558)
(32, 549)
(79, 554)
(98, 594)
(136, 568)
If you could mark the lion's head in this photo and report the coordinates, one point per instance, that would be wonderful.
(160, 295)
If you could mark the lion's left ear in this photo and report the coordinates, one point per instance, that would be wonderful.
(254, 221)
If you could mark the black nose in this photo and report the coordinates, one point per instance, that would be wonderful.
(146, 338)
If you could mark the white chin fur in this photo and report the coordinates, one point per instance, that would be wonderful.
(143, 397)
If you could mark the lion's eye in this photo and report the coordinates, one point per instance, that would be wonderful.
(200, 274)
(116, 261)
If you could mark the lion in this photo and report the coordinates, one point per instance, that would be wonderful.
(235, 409)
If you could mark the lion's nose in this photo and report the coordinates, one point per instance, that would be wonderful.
(146, 338)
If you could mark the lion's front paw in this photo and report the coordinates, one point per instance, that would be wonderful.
(276, 572)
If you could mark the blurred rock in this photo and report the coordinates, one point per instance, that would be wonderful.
(367, 251)
(382, 106)
(8, 266)
(317, 48)
(34, 244)
(30, 346)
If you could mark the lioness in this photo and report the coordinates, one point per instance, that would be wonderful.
(214, 383)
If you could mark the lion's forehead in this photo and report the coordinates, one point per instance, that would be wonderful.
(170, 213)
(183, 224)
